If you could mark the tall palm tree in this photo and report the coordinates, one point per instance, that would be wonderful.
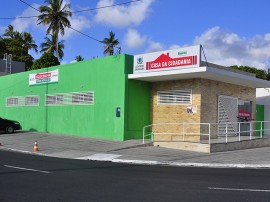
(50, 46)
(56, 16)
(110, 44)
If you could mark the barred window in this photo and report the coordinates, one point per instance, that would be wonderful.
(54, 99)
(12, 101)
(74, 98)
(29, 100)
(175, 97)
(32, 100)
(83, 98)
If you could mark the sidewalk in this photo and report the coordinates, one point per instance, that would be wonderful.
(131, 151)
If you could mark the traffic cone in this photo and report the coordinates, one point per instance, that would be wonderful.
(35, 147)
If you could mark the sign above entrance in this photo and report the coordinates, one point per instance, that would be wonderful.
(44, 77)
(168, 60)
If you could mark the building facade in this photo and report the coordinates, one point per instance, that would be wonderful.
(90, 98)
(115, 97)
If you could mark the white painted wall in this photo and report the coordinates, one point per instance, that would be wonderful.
(263, 98)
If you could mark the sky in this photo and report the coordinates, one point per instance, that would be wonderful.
(232, 32)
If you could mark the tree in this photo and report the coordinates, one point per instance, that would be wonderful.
(28, 42)
(46, 60)
(56, 16)
(110, 44)
(79, 58)
(50, 46)
(9, 32)
(18, 44)
(262, 74)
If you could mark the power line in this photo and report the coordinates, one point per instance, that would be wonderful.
(79, 11)
(30, 6)
(97, 8)
(68, 27)
(85, 34)
(19, 17)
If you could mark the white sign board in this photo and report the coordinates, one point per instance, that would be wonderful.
(167, 60)
(44, 77)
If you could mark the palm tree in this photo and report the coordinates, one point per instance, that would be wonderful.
(110, 44)
(79, 58)
(24, 40)
(51, 45)
(9, 31)
(28, 42)
(56, 16)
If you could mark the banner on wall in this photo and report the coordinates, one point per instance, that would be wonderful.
(44, 77)
(167, 60)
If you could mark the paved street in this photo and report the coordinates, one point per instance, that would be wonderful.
(27, 177)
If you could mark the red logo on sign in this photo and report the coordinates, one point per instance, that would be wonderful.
(165, 61)
(43, 76)
(244, 114)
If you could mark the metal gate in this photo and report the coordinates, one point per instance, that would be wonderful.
(227, 113)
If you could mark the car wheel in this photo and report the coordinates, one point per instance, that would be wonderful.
(10, 129)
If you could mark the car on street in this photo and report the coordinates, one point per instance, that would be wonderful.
(9, 126)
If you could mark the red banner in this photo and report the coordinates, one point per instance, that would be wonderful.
(164, 61)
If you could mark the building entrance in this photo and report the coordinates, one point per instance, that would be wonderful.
(233, 110)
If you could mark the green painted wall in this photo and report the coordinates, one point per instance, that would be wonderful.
(138, 108)
(259, 117)
(107, 77)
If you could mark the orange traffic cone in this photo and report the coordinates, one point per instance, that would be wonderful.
(35, 147)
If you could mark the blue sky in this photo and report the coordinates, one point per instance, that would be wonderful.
(232, 32)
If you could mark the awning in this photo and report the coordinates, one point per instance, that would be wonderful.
(204, 73)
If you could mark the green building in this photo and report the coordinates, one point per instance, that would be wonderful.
(91, 98)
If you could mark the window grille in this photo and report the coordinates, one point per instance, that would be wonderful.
(29, 100)
(55, 99)
(175, 97)
(32, 101)
(12, 101)
(74, 98)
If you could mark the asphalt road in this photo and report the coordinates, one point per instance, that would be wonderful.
(25, 177)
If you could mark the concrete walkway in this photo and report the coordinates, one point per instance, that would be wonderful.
(131, 151)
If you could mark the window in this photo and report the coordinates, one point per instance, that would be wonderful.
(12, 101)
(174, 97)
(32, 101)
(29, 100)
(55, 99)
(75, 98)
(83, 98)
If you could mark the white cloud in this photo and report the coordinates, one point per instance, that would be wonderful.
(23, 24)
(123, 15)
(2, 30)
(77, 22)
(174, 46)
(154, 46)
(227, 48)
(134, 40)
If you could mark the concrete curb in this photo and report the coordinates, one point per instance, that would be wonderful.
(149, 162)
(201, 165)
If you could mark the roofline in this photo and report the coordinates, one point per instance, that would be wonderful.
(202, 73)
